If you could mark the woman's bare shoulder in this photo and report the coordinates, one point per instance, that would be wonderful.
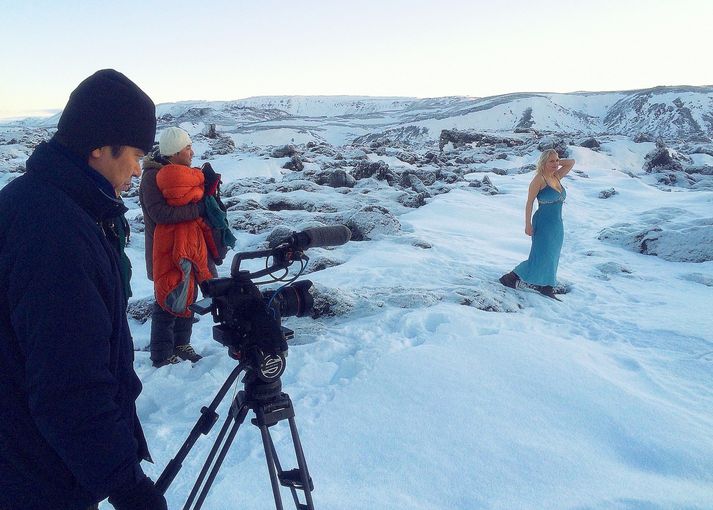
(538, 182)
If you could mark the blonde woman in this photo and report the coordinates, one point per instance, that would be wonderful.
(545, 227)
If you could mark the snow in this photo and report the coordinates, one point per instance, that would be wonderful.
(592, 104)
(416, 398)
(415, 401)
(276, 136)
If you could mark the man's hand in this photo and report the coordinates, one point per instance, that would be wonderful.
(142, 496)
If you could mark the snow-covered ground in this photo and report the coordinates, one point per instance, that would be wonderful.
(429, 385)
(416, 400)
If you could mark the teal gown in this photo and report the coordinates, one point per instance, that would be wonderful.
(547, 237)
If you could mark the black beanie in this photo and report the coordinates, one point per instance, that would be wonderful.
(107, 109)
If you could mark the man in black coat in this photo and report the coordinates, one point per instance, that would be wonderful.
(69, 433)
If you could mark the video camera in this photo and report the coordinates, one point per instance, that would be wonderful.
(249, 321)
(249, 324)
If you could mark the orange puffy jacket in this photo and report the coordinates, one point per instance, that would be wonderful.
(180, 255)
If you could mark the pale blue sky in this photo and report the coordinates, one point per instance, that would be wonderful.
(234, 49)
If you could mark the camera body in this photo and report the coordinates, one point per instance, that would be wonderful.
(249, 322)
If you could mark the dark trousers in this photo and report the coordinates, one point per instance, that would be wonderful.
(167, 332)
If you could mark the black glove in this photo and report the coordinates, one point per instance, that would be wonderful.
(212, 179)
(142, 496)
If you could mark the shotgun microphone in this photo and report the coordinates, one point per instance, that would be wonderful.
(319, 236)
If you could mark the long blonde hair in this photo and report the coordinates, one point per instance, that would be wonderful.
(543, 159)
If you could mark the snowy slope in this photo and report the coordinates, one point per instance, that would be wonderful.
(418, 397)
(424, 383)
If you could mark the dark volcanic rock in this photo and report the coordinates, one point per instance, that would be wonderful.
(284, 151)
(211, 132)
(446, 176)
(558, 144)
(295, 163)
(219, 146)
(700, 169)
(411, 180)
(378, 170)
(608, 193)
(136, 224)
(668, 179)
(140, 309)
(526, 121)
(331, 302)
(254, 222)
(285, 203)
(662, 159)
(371, 221)
(590, 143)
(407, 157)
(393, 137)
(486, 186)
(335, 179)
(288, 185)
(668, 233)
(432, 158)
(526, 169)
(702, 150)
(319, 263)
(278, 235)
(643, 137)
(461, 138)
(240, 204)
(413, 200)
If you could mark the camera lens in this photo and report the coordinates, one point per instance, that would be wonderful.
(293, 300)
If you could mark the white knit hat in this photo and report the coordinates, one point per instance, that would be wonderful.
(173, 140)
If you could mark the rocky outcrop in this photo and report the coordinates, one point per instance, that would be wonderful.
(663, 159)
(378, 170)
(661, 232)
(372, 221)
(461, 138)
(284, 152)
(608, 193)
(554, 142)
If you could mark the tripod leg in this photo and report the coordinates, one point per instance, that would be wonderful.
(302, 465)
(272, 469)
(290, 478)
(202, 426)
(209, 461)
(239, 418)
(295, 479)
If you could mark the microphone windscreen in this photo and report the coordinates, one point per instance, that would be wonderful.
(328, 236)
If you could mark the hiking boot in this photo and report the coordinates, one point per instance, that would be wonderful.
(171, 360)
(510, 280)
(187, 353)
(547, 290)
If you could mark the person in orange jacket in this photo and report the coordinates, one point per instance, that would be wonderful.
(180, 256)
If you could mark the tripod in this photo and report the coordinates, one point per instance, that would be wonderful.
(270, 406)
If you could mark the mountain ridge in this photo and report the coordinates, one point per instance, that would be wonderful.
(669, 112)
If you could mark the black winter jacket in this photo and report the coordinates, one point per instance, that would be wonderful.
(69, 433)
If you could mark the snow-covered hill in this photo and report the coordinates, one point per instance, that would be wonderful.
(669, 112)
